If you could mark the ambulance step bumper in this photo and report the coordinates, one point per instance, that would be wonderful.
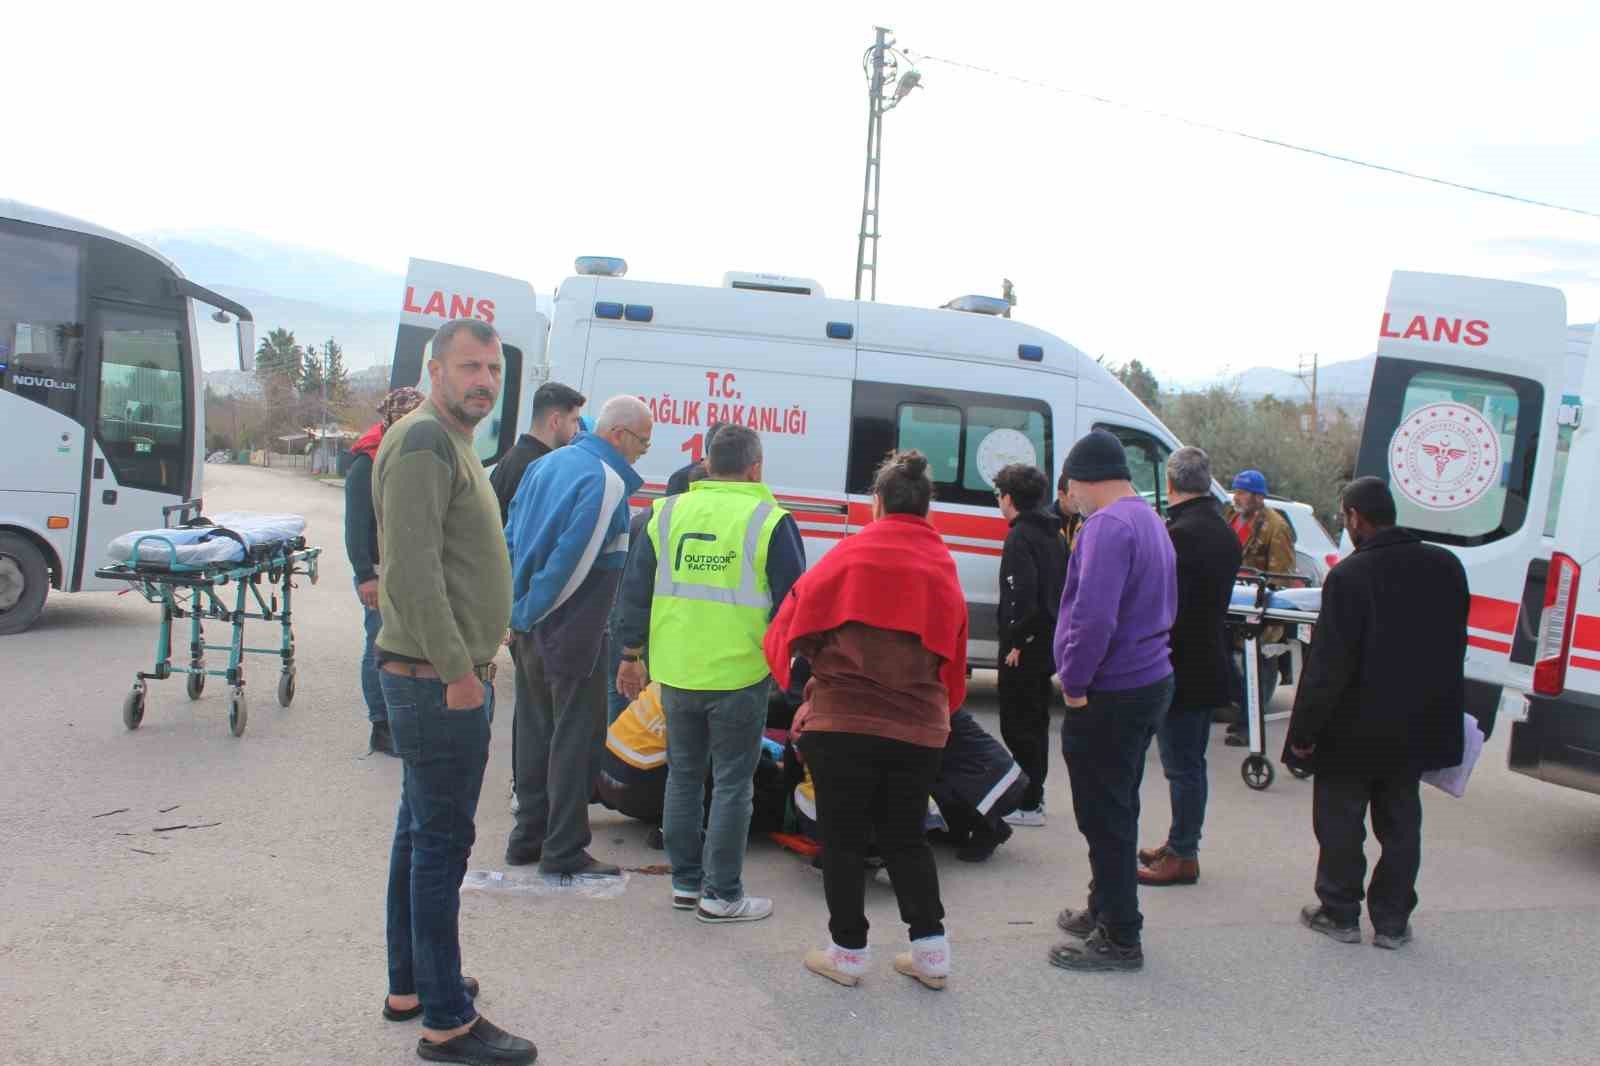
(1559, 741)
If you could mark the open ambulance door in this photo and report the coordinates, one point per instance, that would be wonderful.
(436, 293)
(1462, 423)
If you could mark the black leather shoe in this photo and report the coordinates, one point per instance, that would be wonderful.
(589, 866)
(1098, 954)
(485, 1044)
(470, 984)
(381, 741)
(981, 845)
(523, 854)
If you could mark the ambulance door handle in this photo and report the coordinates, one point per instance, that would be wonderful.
(99, 469)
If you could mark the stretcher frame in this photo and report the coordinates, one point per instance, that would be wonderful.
(200, 595)
(1249, 622)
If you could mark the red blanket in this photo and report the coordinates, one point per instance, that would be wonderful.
(894, 574)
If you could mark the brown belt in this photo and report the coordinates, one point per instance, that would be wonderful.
(485, 673)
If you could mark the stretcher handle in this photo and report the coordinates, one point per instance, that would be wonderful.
(181, 509)
(172, 550)
(1251, 575)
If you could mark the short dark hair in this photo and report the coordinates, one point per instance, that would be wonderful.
(1024, 483)
(735, 450)
(480, 331)
(903, 484)
(553, 395)
(1370, 498)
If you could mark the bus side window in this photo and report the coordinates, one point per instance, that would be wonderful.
(141, 418)
(41, 334)
(1147, 462)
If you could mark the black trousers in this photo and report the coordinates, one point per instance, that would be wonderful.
(1339, 805)
(874, 787)
(1025, 726)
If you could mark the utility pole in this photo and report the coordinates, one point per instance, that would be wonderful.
(1308, 377)
(882, 64)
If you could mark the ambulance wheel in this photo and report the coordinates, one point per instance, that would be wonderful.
(238, 713)
(1257, 772)
(195, 684)
(286, 687)
(1300, 772)
(133, 707)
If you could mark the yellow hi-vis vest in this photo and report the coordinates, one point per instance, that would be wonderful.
(712, 601)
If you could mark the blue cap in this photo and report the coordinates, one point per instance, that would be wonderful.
(1251, 481)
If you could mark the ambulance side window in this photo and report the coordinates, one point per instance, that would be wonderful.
(1147, 462)
(936, 433)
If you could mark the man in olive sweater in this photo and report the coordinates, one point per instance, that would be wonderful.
(445, 595)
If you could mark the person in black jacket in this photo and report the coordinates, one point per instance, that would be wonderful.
(1380, 702)
(554, 424)
(1033, 567)
(689, 473)
(1208, 561)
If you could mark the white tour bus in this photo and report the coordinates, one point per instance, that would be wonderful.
(101, 400)
(1476, 419)
(831, 386)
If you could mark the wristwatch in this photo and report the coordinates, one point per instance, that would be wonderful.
(631, 656)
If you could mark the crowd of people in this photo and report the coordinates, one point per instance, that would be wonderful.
(674, 625)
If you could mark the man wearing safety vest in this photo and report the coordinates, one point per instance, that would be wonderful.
(699, 593)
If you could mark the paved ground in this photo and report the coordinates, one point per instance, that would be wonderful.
(260, 939)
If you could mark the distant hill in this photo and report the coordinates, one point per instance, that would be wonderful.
(1352, 377)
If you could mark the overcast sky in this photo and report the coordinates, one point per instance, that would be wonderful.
(694, 139)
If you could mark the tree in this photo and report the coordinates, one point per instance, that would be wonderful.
(280, 362)
(338, 375)
(1137, 379)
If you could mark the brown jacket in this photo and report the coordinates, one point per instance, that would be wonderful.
(1270, 546)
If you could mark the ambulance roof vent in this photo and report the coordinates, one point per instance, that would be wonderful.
(603, 266)
(979, 305)
(741, 279)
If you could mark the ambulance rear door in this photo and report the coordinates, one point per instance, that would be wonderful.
(1462, 422)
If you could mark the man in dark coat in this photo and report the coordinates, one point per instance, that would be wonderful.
(1208, 561)
(1380, 702)
(1033, 566)
(553, 425)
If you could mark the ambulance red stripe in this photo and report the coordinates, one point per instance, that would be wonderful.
(1497, 616)
(1487, 644)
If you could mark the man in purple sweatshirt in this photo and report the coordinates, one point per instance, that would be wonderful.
(1113, 658)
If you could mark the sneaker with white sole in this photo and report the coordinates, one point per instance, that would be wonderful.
(843, 965)
(744, 909)
(928, 961)
(684, 901)
(1026, 819)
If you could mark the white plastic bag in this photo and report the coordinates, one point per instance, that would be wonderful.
(1453, 779)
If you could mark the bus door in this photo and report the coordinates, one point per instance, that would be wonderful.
(1462, 422)
(139, 404)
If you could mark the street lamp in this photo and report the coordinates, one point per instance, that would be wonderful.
(882, 65)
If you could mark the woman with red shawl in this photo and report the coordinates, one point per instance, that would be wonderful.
(882, 620)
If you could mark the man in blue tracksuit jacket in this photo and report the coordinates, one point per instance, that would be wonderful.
(568, 536)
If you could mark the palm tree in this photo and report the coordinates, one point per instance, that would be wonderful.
(279, 360)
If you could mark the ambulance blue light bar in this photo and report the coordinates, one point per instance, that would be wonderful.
(1033, 353)
(979, 305)
(606, 309)
(638, 312)
(841, 331)
(602, 266)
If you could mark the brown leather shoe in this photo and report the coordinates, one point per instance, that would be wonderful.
(1151, 856)
(1170, 870)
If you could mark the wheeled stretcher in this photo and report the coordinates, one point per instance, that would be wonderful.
(188, 569)
(1259, 601)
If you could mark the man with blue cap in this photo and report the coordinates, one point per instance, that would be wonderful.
(1268, 545)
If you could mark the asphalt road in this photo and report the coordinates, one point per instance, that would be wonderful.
(260, 939)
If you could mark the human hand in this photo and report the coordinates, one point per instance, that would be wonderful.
(465, 693)
(632, 678)
(1075, 702)
(367, 593)
(1013, 657)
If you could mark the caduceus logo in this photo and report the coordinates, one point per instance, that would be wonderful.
(1444, 457)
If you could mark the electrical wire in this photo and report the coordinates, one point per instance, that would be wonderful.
(1226, 131)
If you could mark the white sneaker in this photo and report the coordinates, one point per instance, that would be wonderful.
(745, 909)
(844, 965)
(1027, 819)
(928, 961)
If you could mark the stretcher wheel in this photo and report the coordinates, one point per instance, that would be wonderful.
(195, 684)
(238, 713)
(286, 687)
(133, 707)
(1257, 772)
(1300, 772)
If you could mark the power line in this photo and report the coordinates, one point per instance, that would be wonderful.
(1224, 130)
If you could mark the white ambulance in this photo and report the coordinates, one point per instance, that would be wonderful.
(830, 385)
(1476, 419)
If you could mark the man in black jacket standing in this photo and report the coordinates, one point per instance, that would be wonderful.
(1208, 561)
(1380, 702)
(553, 425)
(1033, 566)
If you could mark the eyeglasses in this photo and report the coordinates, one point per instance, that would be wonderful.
(644, 442)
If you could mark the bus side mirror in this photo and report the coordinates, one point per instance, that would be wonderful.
(247, 345)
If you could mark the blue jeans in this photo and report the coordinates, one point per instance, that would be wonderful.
(445, 753)
(371, 688)
(719, 732)
(1105, 745)
(1182, 738)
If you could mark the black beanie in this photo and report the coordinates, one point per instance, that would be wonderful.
(1098, 456)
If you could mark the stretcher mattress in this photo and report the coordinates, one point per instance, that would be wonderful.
(230, 538)
(1310, 600)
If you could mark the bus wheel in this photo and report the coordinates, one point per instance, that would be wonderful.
(24, 582)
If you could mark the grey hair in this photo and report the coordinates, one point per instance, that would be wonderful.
(734, 450)
(1189, 471)
(622, 412)
(481, 332)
